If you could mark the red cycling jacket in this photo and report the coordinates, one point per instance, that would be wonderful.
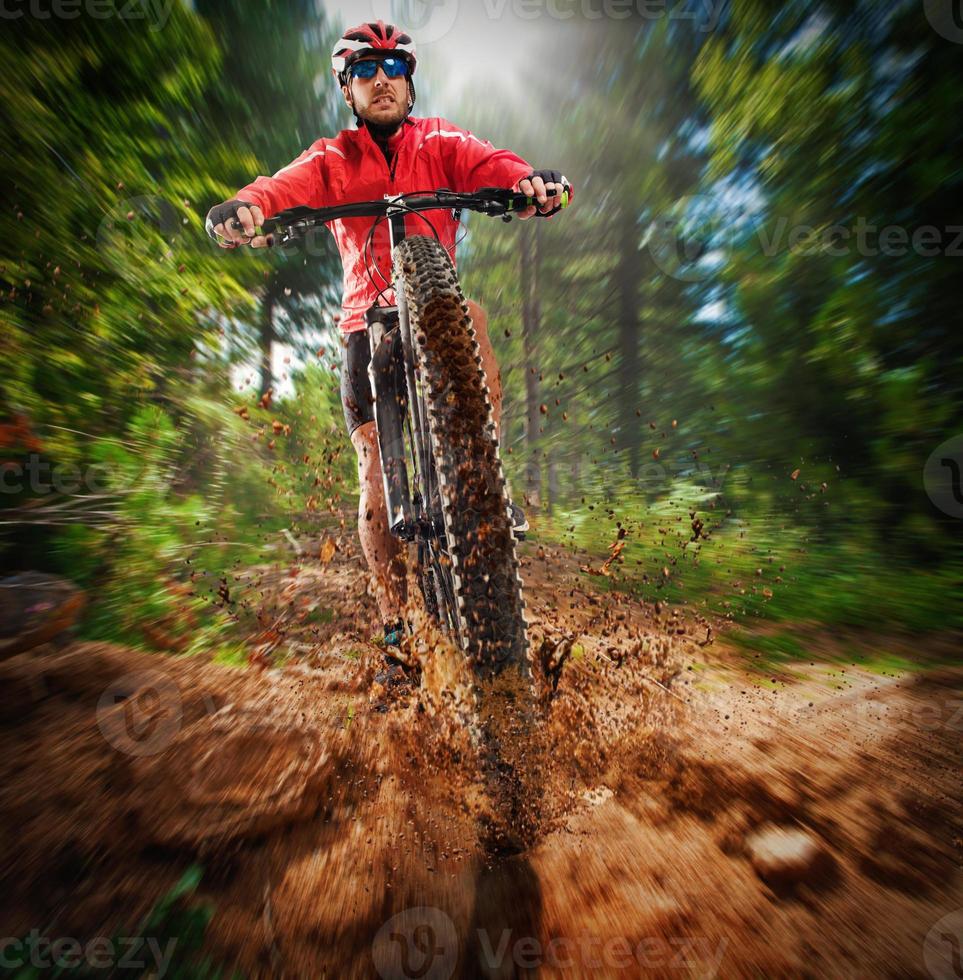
(425, 154)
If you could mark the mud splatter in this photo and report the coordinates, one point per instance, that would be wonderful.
(325, 826)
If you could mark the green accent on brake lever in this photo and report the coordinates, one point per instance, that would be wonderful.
(564, 199)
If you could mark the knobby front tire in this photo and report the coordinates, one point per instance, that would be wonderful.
(473, 495)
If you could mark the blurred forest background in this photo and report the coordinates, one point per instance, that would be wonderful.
(709, 350)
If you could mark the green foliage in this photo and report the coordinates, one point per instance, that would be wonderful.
(105, 261)
(121, 323)
(755, 572)
(185, 505)
(851, 352)
(634, 389)
(774, 357)
(176, 926)
(318, 459)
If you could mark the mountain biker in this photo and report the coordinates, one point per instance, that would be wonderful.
(390, 152)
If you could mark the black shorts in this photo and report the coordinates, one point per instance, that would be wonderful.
(356, 398)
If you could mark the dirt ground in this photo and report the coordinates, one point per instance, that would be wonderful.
(338, 840)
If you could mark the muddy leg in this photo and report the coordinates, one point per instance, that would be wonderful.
(493, 375)
(384, 553)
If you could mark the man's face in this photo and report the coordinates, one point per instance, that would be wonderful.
(380, 99)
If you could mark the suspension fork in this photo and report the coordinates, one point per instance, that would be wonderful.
(391, 372)
(395, 394)
(390, 398)
(419, 434)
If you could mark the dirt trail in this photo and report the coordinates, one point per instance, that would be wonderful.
(342, 841)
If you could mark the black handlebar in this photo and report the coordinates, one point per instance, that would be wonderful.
(494, 201)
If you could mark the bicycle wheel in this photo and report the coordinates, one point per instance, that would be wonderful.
(476, 576)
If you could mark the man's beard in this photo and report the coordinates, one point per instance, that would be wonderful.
(382, 130)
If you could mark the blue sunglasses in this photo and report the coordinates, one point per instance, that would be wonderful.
(393, 68)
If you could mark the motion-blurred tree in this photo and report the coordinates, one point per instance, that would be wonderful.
(273, 99)
(616, 334)
(852, 350)
(103, 271)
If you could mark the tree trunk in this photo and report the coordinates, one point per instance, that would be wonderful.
(267, 339)
(531, 322)
(630, 429)
(551, 491)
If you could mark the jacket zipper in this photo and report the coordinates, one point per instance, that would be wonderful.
(394, 161)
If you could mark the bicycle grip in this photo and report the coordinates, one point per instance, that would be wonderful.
(533, 202)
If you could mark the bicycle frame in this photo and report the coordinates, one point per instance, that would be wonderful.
(410, 494)
(389, 338)
(391, 373)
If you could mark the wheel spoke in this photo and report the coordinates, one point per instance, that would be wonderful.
(434, 572)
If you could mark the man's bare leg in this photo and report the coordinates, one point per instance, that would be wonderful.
(494, 378)
(384, 552)
(493, 375)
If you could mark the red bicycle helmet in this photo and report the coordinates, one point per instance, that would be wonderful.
(373, 38)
